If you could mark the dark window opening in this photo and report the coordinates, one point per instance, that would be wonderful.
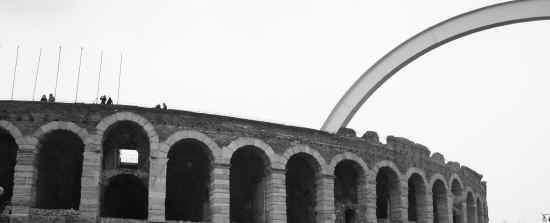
(125, 197)
(247, 185)
(301, 189)
(470, 208)
(387, 194)
(187, 182)
(8, 156)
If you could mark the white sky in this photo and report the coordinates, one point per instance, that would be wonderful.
(481, 100)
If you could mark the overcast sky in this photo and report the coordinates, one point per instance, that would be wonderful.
(481, 100)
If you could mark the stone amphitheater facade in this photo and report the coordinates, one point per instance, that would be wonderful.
(62, 163)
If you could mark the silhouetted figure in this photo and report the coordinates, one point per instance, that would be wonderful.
(109, 101)
(164, 106)
(44, 99)
(51, 99)
(157, 106)
(103, 99)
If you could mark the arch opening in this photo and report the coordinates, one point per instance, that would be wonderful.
(187, 181)
(458, 206)
(387, 195)
(347, 183)
(470, 208)
(120, 137)
(125, 197)
(247, 183)
(59, 166)
(439, 199)
(417, 199)
(302, 174)
(8, 157)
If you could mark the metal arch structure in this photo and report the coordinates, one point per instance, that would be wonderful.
(462, 25)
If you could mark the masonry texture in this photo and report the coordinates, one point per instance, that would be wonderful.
(70, 163)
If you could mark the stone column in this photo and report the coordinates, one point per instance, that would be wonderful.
(90, 189)
(325, 199)
(23, 181)
(428, 211)
(403, 205)
(277, 196)
(475, 213)
(219, 193)
(157, 187)
(450, 207)
(371, 198)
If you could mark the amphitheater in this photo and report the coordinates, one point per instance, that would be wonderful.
(62, 163)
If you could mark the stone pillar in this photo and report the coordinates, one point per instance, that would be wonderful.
(403, 205)
(325, 199)
(450, 207)
(371, 198)
(90, 189)
(23, 182)
(277, 196)
(219, 193)
(428, 211)
(157, 187)
(475, 213)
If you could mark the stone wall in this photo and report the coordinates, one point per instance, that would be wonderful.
(26, 122)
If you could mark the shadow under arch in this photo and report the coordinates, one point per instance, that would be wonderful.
(456, 27)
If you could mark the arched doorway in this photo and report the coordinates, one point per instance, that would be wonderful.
(8, 156)
(302, 172)
(387, 195)
(349, 178)
(417, 199)
(59, 167)
(126, 151)
(458, 207)
(248, 181)
(439, 199)
(125, 196)
(187, 181)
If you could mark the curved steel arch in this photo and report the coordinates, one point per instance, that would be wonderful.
(474, 21)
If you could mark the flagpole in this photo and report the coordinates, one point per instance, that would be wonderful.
(36, 75)
(14, 71)
(99, 75)
(119, 74)
(57, 74)
(78, 74)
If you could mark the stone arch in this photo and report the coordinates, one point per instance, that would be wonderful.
(388, 190)
(320, 161)
(462, 25)
(438, 176)
(108, 121)
(214, 150)
(350, 184)
(440, 199)
(272, 157)
(347, 156)
(145, 165)
(251, 162)
(305, 184)
(13, 131)
(457, 190)
(11, 140)
(50, 174)
(189, 157)
(417, 195)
